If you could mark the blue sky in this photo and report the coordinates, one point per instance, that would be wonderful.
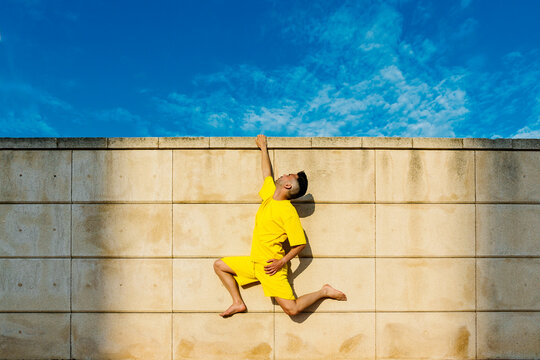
(460, 68)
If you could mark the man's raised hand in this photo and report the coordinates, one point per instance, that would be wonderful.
(261, 141)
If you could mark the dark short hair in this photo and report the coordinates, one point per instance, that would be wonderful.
(303, 184)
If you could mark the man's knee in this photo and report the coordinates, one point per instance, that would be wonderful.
(291, 311)
(218, 265)
(289, 308)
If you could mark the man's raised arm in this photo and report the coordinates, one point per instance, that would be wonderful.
(266, 166)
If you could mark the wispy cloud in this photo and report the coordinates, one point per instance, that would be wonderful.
(532, 129)
(27, 111)
(362, 68)
(359, 78)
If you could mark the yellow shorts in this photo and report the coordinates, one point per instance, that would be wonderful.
(248, 272)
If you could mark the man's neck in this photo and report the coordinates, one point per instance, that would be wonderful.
(280, 195)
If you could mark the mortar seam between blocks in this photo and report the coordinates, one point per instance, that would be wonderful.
(172, 253)
(475, 260)
(273, 304)
(471, 311)
(225, 202)
(71, 261)
(375, 246)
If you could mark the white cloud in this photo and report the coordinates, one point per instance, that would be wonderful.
(531, 130)
(351, 82)
(27, 111)
(361, 75)
(26, 123)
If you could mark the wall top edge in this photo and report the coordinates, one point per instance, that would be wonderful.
(273, 143)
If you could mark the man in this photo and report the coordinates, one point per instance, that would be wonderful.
(275, 222)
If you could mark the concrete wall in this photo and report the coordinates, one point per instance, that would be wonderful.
(106, 248)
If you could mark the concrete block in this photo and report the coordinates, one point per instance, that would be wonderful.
(122, 175)
(82, 143)
(325, 336)
(508, 335)
(508, 176)
(425, 284)
(35, 175)
(121, 336)
(183, 142)
(27, 143)
(197, 288)
(34, 336)
(333, 175)
(471, 143)
(355, 277)
(437, 143)
(213, 229)
(387, 142)
(508, 284)
(289, 142)
(425, 230)
(227, 229)
(217, 175)
(122, 285)
(209, 337)
(133, 142)
(508, 230)
(342, 230)
(336, 142)
(35, 230)
(526, 144)
(122, 230)
(425, 175)
(34, 284)
(426, 335)
(234, 142)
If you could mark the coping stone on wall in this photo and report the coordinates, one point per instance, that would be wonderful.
(184, 142)
(388, 142)
(82, 143)
(233, 142)
(336, 142)
(475, 143)
(249, 142)
(289, 142)
(132, 142)
(27, 143)
(273, 142)
(437, 143)
(526, 144)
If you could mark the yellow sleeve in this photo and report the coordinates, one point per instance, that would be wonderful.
(268, 188)
(294, 231)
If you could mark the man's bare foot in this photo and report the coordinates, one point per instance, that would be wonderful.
(233, 309)
(333, 293)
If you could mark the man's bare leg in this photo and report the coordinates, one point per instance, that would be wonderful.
(225, 273)
(293, 307)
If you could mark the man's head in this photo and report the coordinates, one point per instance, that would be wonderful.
(295, 184)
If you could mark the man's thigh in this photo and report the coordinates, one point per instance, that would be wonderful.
(222, 265)
(242, 268)
(276, 285)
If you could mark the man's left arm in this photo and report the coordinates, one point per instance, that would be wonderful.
(274, 264)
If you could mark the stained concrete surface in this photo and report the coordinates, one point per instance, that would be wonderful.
(107, 245)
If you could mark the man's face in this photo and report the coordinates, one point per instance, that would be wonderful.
(287, 178)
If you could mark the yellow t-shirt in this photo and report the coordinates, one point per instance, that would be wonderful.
(276, 221)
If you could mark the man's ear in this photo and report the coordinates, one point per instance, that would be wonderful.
(288, 186)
